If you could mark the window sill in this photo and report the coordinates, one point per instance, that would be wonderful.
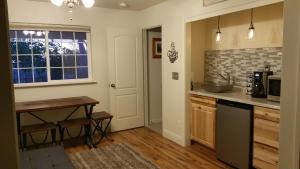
(37, 85)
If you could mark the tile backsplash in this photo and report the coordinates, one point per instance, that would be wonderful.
(239, 62)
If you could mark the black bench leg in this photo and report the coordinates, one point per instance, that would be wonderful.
(62, 134)
(24, 141)
(53, 135)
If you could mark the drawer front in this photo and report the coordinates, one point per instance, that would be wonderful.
(266, 132)
(202, 99)
(267, 114)
(265, 157)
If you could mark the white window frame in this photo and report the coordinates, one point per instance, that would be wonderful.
(61, 28)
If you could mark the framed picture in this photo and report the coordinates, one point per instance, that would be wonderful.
(211, 2)
(156, 48)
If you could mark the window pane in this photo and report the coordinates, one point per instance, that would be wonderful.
(56, 61)
(14, 61)
(52, 35)
(55, 47)
(67, 35)
(82, 73)
(69, 61)
(80, 36)
(81, 48)
(38, 46)
(13, 47)
(23, 36)
(25, 75)
(25, 61)
(40, 75)
(69, 73)
(24, 47)
(12, 34)
(39, 61)
(68, 47)
(56, 74)
(15, 76)
(81, 60)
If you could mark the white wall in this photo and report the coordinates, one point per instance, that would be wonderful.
(99, 20)
(154, 82)
(173, 15)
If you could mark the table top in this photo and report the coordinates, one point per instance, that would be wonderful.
(40, 105)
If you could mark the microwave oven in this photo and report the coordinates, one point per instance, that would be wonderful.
(274, 86)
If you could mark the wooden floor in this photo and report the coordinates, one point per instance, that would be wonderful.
(161, 151)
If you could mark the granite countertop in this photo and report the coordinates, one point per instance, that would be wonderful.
(236, 95)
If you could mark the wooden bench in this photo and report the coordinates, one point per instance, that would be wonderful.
(97, 120)
(81, 122)
(30, 129)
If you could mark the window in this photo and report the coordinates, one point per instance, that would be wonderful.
(45, 56)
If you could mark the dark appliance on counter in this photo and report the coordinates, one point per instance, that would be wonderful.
(260, 84)
(234, 133)
(274, 85)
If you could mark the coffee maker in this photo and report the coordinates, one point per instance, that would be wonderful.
(260, 83)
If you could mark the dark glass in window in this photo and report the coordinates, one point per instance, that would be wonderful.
(25, 61)
(40, 75)
(25, 75)
(13, 47)
(14, 61)
(15, 76)
(80, 36)
(69, 61)
(38, 46)
(56, 61)
(69, 73)
(12, 34)
(67, 35)
(24, 48)
(56, 74)
(21, 36)
(81, 48)
(81, 60)
(39, 61)
(82, 73)
(38, 35)
(52, 35)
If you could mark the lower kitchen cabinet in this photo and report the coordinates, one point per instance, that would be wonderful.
(266, 138)
(202, 120)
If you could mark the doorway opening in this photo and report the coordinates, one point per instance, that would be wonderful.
(153, 78)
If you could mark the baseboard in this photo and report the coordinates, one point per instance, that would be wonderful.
(174, 137)
(155, 121)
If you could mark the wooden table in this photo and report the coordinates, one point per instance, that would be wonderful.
(54, 104)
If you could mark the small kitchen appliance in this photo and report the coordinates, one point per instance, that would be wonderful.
(274, 85)
(260, 83)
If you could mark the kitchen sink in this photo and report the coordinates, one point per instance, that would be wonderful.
(217, 87)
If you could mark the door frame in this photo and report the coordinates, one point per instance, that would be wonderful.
(146, 75)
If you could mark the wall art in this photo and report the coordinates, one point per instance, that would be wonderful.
(172, 53)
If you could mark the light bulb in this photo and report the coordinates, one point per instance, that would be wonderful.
(57, 2)
(218, 37)
(88, 3)
(251, 33)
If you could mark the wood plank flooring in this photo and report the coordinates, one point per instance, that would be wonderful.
(161, 151)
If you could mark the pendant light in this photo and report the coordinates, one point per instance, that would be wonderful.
(218, 33)
(251, 32)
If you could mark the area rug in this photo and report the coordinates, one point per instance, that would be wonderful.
(116, 156)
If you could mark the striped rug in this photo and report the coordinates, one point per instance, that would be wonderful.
(116, 156)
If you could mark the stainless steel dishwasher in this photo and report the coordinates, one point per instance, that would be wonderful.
(234, 133)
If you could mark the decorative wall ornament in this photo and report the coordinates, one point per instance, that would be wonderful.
(172, 53)
(211, 2)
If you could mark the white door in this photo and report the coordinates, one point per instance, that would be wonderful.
(126, 78)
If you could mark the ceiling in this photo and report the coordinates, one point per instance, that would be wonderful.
(115, 4)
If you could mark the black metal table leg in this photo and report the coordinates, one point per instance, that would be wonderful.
(19, 130)
(88, 135)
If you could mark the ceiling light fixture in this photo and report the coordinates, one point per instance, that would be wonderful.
(251, 32)
(123, 5)
(218, 33)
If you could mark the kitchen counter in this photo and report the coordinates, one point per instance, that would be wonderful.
(236, 95)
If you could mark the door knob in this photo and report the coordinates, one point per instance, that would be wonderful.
(113, 85)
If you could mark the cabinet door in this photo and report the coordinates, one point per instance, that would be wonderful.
(203, 124)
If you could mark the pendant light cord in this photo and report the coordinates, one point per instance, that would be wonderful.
(251, 24)
(219, 24)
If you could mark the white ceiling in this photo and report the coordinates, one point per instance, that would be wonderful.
(115, 4)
